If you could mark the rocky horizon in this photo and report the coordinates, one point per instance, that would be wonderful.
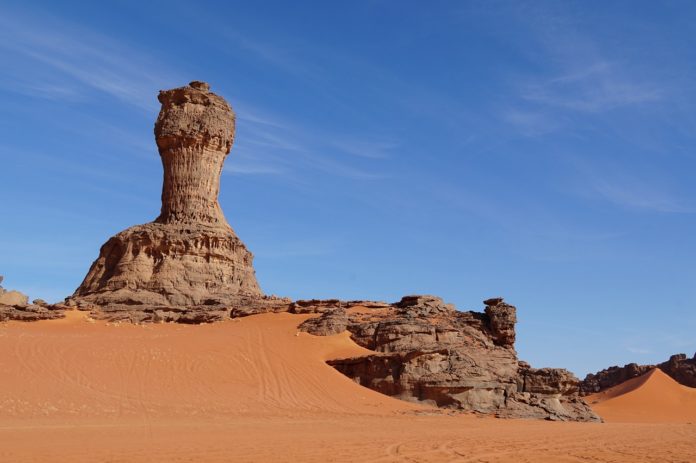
(679, 367)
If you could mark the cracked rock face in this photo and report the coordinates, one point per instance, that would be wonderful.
(189, 255)
(427, 351)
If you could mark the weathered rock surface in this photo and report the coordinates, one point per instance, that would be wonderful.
(194, 314)
(681, 368)
(189, 257)
(427, 351)
(328, 305)
(502, 319)
(30, 312)
(331, 322)
(15, 306)
(12, 297)
(547, 380)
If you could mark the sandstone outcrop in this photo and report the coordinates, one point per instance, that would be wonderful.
(15, 306)
(681, 368)
(188, 260)
(427, 351)
(327, 305)
(189, 266)
(12, 297)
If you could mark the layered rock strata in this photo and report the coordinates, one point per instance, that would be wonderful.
(681, 368)
(15, 306)
(426, 351)
(189, 257)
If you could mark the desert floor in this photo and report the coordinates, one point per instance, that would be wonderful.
(254, 389)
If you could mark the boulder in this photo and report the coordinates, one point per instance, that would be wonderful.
(423, 306)
(549, 381)
(329, 323)
(13, 298)
(502, 318)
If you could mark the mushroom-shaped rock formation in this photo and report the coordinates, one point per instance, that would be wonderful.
(189, 256)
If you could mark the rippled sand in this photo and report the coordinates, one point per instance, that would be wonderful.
(255, 389)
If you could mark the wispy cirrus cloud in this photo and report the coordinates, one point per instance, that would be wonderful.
(63, 60)
(639, 350)
(270, 144)
(529, 123)
(595, 87)
(635, 194)
(366, 148)
(285, 57)
(574, 75)
(67, 62)
(626, 187)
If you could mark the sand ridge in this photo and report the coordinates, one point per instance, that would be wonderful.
(257, 365)
(254, 390)
(651, 398)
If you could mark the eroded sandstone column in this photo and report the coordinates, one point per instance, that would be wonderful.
(189, 256)
(194, 133)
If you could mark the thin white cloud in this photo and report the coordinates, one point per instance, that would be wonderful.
(365, 148)
(270, 144)
(596, 87)
(59, 58)
(317, 246)
(284, 58)
(624, 186)
(576, 75)
(634, 194)
(235, 167)
(639, 350)
(529, 123)
(45, 90)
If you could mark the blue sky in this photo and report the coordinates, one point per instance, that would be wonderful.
(540, 151)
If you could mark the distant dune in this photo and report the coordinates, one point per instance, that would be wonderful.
(256, 390)
(651, 398)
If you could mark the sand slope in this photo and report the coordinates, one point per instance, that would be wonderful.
(651, 398)
(74, 370)
(254, 390)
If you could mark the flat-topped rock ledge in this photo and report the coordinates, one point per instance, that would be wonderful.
(15, 306)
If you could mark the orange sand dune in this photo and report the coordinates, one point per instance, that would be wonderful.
(254, 390)
(651, 398)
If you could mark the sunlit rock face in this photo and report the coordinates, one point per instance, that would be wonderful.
(426, 351)
(189, 255)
